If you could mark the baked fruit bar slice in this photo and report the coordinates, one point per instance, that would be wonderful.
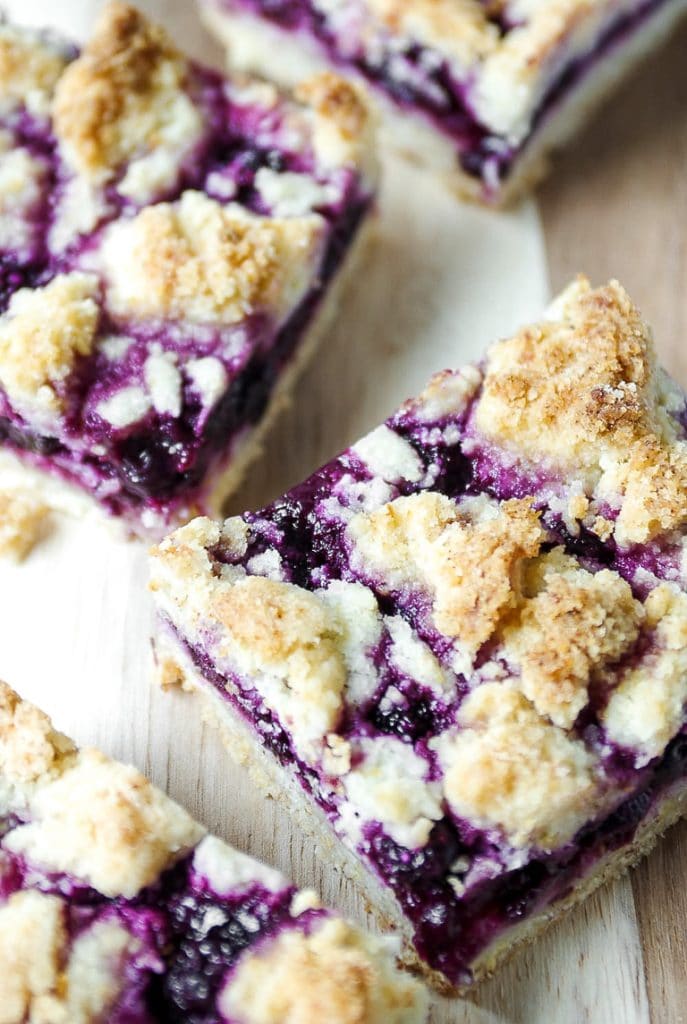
(116, 906)
(460, 648)
(172, 244)
(480, 91)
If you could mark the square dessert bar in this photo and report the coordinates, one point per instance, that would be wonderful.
(460, 648)
(116, 906)
(172, 243)
(480, 91)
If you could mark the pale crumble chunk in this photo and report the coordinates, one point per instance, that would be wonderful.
(228, 870)
(507, 768)
(390, 785)
(411, 656)
(570, 626)
(199, 261)
(470, 556)
(125, 407)
(332, 972)
(582, 390)
(31, 751)
(288, 641)
(448, 394)
(95, 974)
(343, 122)
(32, 937)
(358, 622)
(647, 708)
(389, 455)
(457, 28)
(42, 335)
(22, 521)
(208, 377)
(30, 65)
(163, 382)
(123, 95)
(22, 178)
(105, 823)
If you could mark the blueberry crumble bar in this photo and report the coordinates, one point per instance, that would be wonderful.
(172, 243)
(460, 648)
(480, 91)
(116, 906)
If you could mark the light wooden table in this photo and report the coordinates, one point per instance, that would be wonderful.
(445, 280)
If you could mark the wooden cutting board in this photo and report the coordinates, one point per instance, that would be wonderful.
(445, 279)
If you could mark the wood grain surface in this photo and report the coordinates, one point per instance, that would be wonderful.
(441, 283)
(617, 207)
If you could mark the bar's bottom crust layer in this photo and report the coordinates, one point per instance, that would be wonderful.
(278, 783)
(64, 497)
(277, 54)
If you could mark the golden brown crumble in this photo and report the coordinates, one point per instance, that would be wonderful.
(22, 520)
(344, 126)
(105, 823)
(508, 768)
(201, 261)
(331, 972)
(582, 391)
(42, 335)
(337, 100)
(456, 27)
(29, 68)
(571, 625)
(471, 565)
(286, 631)
(31, 751)
(122, 94)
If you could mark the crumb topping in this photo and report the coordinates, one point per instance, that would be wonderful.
(288, 636)
(30, 65)
(582, 390)
(22, 178)
(32, 937)
(105, 823)
(229, 871)
(343, 126)
(457, 28)
(389, 455)
(31, 751)
(469, 556)
(508, 768)
(332, 970)
(390, 785)
(447, 395)
(42, 335)
(125, 96)
(572, 624)
(22, 520)
(200, 261)
(647, 708)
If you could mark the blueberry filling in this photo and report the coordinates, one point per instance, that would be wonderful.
(428, 87)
